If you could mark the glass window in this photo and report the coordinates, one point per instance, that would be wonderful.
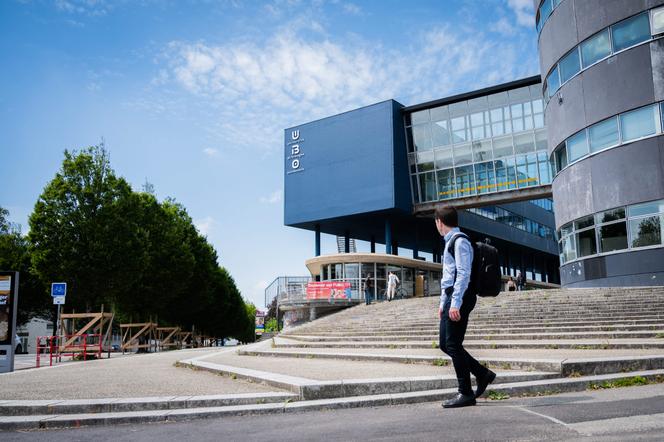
(577, 146)
(415, 188)
(463, 154)
(568, 249)
(538, 113)
(646, 231)
(477, 125)
(596, 48)
(657, 21)
(428, 190)
(524, 143)
(420, 116)
(519, 95)
(553, 82)
(465, 180)
(422, 137)
(440, 133)
(638, 123)
(582, 223)
(613, 237)
(439, 113)
(482, 151)
(544, 169)
(586, 244)
(517, 117)
(486, 177)
(604, 134)
(459, 129)
(444, 158)
(337, 271)
(425, 161)
(630, 32)
(610, 215)
(541, 142)
(352, 270)
(561, 157)
(646, 208)
(505, 175)
(500, 124)
(566, 229)
(503, 147)
(367, 269)
(570, 65)
(446, 184)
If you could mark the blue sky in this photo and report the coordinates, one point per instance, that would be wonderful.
(193, 96)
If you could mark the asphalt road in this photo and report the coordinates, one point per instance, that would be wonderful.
(635, 413)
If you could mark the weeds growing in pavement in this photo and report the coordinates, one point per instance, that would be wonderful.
(497, 395)
(659, 335)
(440, 362)
(574, 374)
(618, 383)
(433, 344)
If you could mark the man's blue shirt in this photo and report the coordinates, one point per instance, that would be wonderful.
(463, 251)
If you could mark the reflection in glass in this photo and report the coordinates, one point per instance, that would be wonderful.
(482, 150)
(459, 130)
(463, 154)
(613, 237)
(570, 65)
(584, 222)
(657, 21)
(444, 158)
(646, 231)
(638, 123)
(553, 82)
(646, 208)
(440, 133)
(586, 244)
(446, 184)
(422, 137)
(577, 146)
(568, 249)
(486, 177)
(425, 161)
(420, 116)
(524, 143)
(604, 134)
(630, 32)
(610, 215)
(428, 190)
(465, 180)
(596, 48)
(502, 147)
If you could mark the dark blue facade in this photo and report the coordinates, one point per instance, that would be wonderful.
(349, 164)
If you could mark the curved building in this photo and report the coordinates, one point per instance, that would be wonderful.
(602, 65)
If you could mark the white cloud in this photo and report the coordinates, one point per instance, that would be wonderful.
(85, 7)
(259, 88)
(211, 152)
(205, 225)
(274, 198)
(352, 9)
(525, 14)
(504, 27)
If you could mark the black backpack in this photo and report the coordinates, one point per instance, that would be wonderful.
(485, 277)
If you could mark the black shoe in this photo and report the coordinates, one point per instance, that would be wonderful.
(460, 400)
(484, 382)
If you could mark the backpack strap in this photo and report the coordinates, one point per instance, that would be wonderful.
(453, 241)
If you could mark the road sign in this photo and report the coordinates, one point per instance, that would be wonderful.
(58, 289)
(58, 300)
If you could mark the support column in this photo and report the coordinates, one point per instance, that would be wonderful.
(416, 248)
(347, 242)
(373, 244)
(312, 313)
(388, 237)
(395, 248)
(317, 247)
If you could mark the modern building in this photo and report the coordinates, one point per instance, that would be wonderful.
(587, 140)
(603, 65)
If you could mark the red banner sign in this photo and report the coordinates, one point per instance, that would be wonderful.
(328, 290)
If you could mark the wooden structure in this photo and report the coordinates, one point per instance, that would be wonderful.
(185, 339)
(168, 337)
(74, 332)
(138, 336)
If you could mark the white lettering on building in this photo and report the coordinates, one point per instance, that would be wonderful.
(296, 153)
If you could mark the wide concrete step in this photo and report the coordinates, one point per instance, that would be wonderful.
(505, 334)
(514, 389)
(574, 344)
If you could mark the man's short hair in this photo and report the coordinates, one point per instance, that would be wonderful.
(447, 215)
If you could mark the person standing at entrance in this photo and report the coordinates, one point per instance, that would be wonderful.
(392, 281)
(456, 303)
(368, 289)
(520, 281)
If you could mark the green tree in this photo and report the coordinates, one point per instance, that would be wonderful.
(83, 231)
(33, 299)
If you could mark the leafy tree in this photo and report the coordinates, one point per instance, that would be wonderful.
(83, 231)
(33, 299)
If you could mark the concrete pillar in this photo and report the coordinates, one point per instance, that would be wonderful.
(373, 244)
(395, 248)
(312, 313)
(388, 237)
(317, 247)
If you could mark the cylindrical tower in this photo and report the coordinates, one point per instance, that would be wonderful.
(602, 64)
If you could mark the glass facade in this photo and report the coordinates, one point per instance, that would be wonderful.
(356, 273)
(544, 12)
(514, 220)
(625, 128)
(618, 37)
(620, 229)
(487, 144)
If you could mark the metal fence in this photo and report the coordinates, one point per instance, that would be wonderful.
(288, 289)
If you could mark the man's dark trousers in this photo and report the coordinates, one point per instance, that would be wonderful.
(452, 334)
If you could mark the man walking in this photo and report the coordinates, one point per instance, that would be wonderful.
(392, 281)
(368, 289)
(456, 303)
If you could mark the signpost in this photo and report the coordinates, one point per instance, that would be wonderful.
(58, 292)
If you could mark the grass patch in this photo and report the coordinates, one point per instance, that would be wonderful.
(233, 376)
(392, 346)
(574, 374)
(620, 383)
(659, 335)
(440, 362)
(497, 395)
(505, 366)
(433, 344)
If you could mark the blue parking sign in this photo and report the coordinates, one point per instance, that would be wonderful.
(58, 289)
